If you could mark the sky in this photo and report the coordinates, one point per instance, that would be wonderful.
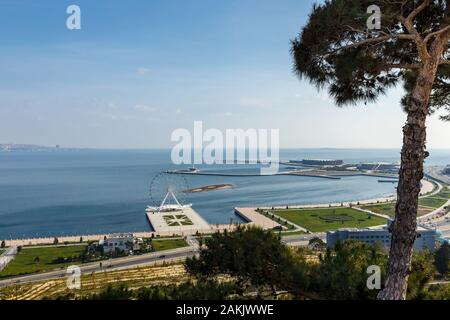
(137, 70)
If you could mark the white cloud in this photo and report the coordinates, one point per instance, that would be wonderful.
(178, 111)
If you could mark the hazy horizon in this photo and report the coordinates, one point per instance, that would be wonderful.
(137, 71)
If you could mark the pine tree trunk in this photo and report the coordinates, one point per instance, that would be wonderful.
(413, 155)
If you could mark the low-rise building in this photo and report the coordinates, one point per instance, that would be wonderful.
(425, 240)
(381, 166)
(117, 242)
(318, 162)
(446, 170)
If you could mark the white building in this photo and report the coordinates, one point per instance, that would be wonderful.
(425, 239)
(120, 242)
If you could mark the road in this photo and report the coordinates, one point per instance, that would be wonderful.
(435, 172)
(302, 240)
(108, 265)
(173, 255)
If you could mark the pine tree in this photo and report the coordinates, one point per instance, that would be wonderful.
(337, 50)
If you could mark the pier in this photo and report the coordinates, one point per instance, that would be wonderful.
(254, 218)
(223, 174)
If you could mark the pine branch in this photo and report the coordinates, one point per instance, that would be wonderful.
(431, 35)
(408, 22)
(412, 66)
(418, 10)
(374, 40)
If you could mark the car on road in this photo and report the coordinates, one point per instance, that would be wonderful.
(162, 256)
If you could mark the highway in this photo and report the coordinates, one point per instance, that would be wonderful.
(435, 172)
(173, 255)
(302, 240)
(107, 265)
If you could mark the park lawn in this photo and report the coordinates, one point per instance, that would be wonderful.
(433, 202)
(384, 208)
(389, 209)
(161, 245)
(24, 262)
(327, 219)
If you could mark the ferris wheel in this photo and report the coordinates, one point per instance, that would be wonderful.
(168, 191)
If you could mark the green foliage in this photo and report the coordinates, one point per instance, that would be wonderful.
(336, 51)
(259, 261)
(205, 290)
(442, 259)
(422, 272)
(438, 292)
(254, 256)
(342, 272)
(202, 290)
(317, 242)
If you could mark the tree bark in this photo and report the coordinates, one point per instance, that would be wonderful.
(413, 154)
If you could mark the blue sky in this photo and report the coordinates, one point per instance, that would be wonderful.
(137, 70)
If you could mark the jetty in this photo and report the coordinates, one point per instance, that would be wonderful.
(254, 218)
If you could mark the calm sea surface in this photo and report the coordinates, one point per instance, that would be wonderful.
(94, 191)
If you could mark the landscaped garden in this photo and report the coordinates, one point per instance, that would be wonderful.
(426, 204)
(327, 219)
(31, 260)
(161, 245)
(178, 220)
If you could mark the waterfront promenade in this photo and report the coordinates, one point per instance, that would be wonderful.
(97, 237)
(252, 217)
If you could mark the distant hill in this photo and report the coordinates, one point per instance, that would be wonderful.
(23, 147)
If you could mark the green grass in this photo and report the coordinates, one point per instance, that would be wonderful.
(385, 208)
(433, 202)
(161, 245)
(326, 219)
(389, 209)
(437, 200)
(24, 262)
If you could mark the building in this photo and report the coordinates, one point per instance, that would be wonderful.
(382, 166)
(446, 170)
(318, 162)
(117, 242)
(425, 240)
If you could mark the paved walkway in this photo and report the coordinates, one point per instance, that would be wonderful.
(256, 219)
